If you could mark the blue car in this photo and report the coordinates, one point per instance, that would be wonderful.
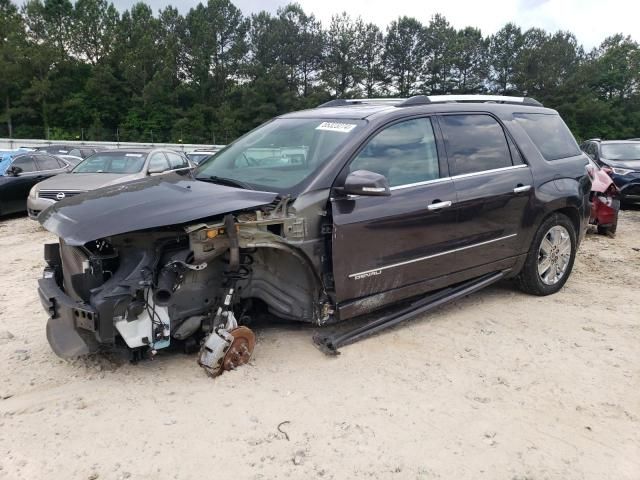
(19, 171)
(621, 160)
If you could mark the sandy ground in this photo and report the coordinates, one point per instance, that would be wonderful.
(500, 385)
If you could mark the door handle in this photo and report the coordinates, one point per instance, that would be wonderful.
(439, 205)
(522, 189)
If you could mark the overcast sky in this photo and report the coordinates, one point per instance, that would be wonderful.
(590, 20)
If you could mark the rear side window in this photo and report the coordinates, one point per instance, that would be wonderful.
(549, 134)
(474, 143)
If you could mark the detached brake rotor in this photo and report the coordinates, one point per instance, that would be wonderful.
(241, 348)
(226, 350)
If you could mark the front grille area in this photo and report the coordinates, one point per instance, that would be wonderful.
(56, 194)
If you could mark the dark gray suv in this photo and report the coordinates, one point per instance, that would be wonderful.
(357, 207)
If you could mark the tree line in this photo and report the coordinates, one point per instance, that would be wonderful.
(87, 71)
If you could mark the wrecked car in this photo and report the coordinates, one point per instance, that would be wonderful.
(605, 200)
(320, 216)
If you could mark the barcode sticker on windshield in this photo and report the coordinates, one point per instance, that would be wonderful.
(336, 127)
(132, 154)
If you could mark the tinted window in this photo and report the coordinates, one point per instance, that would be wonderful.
(176, 160)
(158, 163)
(25, 163)
(474, 143)
(45, 162)
(550, 134)
(405, 153)
(75, 152)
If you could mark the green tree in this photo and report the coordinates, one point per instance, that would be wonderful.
(404, 55)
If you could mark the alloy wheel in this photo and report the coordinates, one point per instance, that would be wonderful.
(554, 255)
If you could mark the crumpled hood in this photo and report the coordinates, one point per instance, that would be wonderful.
(151, 202)
(85, 181)
(630, 164)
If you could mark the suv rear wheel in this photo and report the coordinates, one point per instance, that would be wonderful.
(550, 258)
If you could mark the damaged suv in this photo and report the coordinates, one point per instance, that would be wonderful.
(320, 216)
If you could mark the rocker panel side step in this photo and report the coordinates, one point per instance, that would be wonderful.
(330, 343)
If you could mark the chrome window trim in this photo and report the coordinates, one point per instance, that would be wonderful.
(493, 170)
(447, 252)
(455, 177)
(419, 184)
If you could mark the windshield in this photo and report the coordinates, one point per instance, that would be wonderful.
(621, 151)
(281, 153)
(112, 162)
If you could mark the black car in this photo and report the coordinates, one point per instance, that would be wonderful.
(21, 171)
(621, 160)
(382, 207)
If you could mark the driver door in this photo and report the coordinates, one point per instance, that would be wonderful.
(385, 243)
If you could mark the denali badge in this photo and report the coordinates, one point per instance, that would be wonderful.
(360, 276)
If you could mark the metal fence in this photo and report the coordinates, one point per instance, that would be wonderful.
(12, 143)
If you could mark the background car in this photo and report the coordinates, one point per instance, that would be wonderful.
(621, 160)
(20, 171)
(76, 151)
(71, 159)
(198, 156)
(108, 167)
(605, 200)
(85, 151)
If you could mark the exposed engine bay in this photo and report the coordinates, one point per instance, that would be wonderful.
(198, 285)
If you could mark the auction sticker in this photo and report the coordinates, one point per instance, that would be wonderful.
(137, 155)
(336, 127)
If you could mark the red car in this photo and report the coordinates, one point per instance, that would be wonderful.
(605, 200)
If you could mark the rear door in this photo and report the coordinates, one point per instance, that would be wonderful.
(494, 188)
(383, 243)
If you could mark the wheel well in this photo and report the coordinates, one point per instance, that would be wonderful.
(572, 214)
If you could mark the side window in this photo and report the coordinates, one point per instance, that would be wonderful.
(474, 143)
(75, 152)
(47, 162)
(26, 163)
(405, 153)
(550, 135)
(176, 160)
(158, 163)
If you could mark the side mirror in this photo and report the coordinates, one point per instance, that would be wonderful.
(364, 182)
(14, 171)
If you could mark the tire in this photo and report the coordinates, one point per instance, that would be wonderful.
(558, 234)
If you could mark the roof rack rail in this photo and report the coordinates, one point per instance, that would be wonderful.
(426, 99)
(593, 140)
(342, 102)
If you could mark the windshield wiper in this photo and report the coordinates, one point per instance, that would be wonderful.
(226, 181)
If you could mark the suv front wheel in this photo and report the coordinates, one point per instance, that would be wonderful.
(550, 259)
